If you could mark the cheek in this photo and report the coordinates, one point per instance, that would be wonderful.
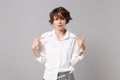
(64, 22)
(54, 23)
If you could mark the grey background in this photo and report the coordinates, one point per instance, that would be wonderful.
(23, 20)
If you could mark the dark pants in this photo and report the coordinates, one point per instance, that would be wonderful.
(65, 76)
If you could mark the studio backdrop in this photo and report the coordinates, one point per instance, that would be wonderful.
(23, 20)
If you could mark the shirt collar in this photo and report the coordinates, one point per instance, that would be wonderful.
(66, 36)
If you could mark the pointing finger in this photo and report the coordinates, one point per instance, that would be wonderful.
(40, 38)
(83, 37)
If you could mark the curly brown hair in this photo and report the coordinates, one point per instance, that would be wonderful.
(60, 12)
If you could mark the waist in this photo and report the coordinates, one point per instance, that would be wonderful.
(66, 69)
(59, 73)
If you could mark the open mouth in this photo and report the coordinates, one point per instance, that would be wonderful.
(60, 26)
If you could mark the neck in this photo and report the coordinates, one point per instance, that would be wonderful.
(60, 33)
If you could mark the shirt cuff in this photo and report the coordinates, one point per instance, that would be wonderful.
(38, 59)
(80, 57)
(41, 59)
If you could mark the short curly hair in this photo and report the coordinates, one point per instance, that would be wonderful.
(60, 12)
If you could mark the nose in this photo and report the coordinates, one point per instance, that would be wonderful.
(59, 21)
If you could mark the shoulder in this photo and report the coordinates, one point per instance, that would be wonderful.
(72, 35)
(46, 34)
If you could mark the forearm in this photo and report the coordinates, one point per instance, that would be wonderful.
(76, 57)
(36, 53)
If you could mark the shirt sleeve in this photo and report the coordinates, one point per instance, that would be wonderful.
(41, 59)
(41, 49)
(75, 57)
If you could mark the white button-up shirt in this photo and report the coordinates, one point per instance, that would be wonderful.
(58, 56)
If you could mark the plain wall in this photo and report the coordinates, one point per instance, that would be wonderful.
(23, 20)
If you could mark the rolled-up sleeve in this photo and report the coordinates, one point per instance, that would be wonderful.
(41, 49)
(41, 59)
(75, 57)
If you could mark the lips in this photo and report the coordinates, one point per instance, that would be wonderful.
(60, 26)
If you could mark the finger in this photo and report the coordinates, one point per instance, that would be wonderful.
(83, 37)
(40, 38)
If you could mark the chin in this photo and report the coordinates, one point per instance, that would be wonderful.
(60, 29)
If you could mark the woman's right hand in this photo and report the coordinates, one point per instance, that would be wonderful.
(36, 43)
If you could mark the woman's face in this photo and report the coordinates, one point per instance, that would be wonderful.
(59, 23)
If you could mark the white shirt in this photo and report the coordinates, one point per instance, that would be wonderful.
(58, 56)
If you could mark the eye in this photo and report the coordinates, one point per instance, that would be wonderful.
(62, 18)
(56, 19)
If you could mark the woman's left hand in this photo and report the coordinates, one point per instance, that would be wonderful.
(81, 42)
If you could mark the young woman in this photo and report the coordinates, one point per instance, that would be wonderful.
(59, 49)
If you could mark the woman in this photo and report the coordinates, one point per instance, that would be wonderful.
(59, 49)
